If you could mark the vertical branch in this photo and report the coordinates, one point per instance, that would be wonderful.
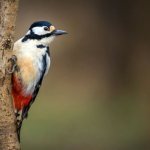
(8, 135)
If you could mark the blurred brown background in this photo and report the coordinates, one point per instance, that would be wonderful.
(97, 93)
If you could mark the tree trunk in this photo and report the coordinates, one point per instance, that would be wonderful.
(8, 134)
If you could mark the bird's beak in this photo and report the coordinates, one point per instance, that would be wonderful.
(58, 32)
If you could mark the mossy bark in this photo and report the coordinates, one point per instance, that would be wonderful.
(8, 135)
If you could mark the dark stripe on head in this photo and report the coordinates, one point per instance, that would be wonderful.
(40, 24)
(33, 36)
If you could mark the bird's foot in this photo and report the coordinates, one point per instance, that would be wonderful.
(14, 67)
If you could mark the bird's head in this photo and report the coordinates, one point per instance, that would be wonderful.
(42, 31)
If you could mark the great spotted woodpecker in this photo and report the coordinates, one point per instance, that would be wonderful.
(33, 62)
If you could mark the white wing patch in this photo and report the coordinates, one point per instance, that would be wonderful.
(48, 62)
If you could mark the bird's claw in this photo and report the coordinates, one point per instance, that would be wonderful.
(13, 60)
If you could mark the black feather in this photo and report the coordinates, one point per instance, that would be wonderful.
(40, 24)
(33, 36)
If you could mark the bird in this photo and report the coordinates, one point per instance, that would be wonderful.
(33, 59)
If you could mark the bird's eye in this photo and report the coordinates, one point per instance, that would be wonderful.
(46, 28)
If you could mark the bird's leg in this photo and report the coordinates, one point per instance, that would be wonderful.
(14, 67)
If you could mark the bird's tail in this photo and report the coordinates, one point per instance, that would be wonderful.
(19, 124)
(21, 115)
(19, 130)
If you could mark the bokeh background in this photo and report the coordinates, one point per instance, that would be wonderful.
(97, 93)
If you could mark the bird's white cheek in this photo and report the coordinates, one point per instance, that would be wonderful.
(51, 39)
(48, 40)
(39, 31)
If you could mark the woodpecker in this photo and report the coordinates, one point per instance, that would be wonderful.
(33, 62)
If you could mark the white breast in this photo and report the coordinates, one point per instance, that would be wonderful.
(30, 62)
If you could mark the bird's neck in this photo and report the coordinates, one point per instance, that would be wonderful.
(40, 39)
(36, 43)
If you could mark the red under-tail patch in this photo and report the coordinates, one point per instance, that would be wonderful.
(20, 100)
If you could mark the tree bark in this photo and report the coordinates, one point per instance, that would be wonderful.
(8, 134)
